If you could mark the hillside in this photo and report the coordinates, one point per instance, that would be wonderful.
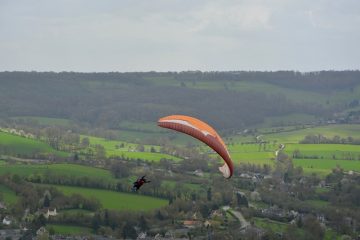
(228, 100)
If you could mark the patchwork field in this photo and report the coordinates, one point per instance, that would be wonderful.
(8, 195)
(130, 150)
(65, 170)
(14, 144)
(280, 227)
(313, 158)
(117, 200)
(68, 229)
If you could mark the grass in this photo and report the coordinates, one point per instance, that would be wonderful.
(116, 200)
(326, 165)
(318, 203)
(26, 146)
(26, 170)
(76, 211)
(329, 131)
(8, 195)
(113, 148)
(331, 235)
(336, 151)
(265, 223)
(317, 158)
(189, 186)
(68, 229)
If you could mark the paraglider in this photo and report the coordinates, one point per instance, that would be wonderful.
(203, 132)
(139, 182)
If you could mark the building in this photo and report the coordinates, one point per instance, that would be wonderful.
(6, 221)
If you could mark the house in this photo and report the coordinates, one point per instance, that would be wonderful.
(47, 212)
(191, 223)
(6, 221)
(198, 173)
(2, 205)
(141, 235)
(41, 231)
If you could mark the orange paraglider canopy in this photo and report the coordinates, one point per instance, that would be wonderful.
(203, 132)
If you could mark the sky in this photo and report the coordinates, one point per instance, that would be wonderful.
(179, 35)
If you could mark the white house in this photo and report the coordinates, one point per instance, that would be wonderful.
(6, 221)
(50, 212)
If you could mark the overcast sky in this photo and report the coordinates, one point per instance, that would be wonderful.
(177, 35)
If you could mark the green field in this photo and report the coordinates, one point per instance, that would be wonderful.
(318, 203)
(20, 145)
(68, 229)
(329, 131)
(314, 158)
(113, 148)
(26, 170)
(188, 186)
(335, 151)
(325, 166)
(265, 223)
(116, 200)
(8, 195)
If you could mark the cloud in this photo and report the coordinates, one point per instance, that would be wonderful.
(166, 35)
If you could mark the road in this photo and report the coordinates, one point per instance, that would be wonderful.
(241, 218)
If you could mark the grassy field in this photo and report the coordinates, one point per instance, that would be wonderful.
(22, 145)
(172, 184)
(326, 165)
(76, 211)
(8, 195)
(334, 151)
(117, 200)
(318, 203)
(57, 169)
(68, 229)
(316, 158)
(329, 131)
(113, 148)
(265, 223)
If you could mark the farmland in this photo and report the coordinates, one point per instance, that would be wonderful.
(65, 170)
(117, 200)
(318, 158)
(25, 146)
(129, 150)
(68, 229)
(8, 195)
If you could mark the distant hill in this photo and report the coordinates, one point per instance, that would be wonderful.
(228, 100)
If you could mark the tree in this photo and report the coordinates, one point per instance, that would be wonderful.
(85, 142)
(100, 152)
(96, 221)
(129, 231)
(143, 223)
(209, 194)
(46, 201)
(120, 170)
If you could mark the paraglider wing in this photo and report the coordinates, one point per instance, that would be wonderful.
(202, 131)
